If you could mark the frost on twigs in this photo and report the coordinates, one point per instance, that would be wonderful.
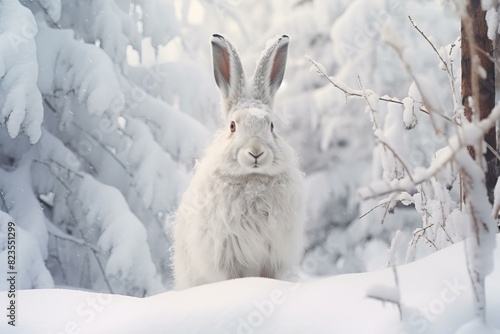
(20, 99)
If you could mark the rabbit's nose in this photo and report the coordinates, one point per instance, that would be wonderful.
(256, 156)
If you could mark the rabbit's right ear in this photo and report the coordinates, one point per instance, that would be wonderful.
(228, 71)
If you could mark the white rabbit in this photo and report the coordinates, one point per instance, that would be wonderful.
(243, 213)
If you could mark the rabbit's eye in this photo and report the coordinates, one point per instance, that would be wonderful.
(232, 126)
(272, 126)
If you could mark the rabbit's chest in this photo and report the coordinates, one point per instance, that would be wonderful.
(249, 212)
(254, 201)
(247, 222)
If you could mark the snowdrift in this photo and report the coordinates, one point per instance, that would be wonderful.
(435, 297)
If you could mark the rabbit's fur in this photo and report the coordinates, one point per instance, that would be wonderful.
(243, 213)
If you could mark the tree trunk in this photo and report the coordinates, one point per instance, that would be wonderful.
(481, 91)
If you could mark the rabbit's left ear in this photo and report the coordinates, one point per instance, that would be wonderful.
(270, 70)
(228, 72)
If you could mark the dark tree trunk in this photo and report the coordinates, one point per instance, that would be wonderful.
(483, 89)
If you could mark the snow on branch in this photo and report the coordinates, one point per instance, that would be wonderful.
(159, 21)
(67, 65)
(20, 99)
(177, 133)
(109, 24)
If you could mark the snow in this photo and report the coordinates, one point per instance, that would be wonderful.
(434, 294)
(409, 116)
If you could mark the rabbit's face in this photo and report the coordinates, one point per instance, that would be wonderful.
(251, 142)
(250, 145)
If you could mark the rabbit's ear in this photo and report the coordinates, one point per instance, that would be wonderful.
(228, 71)
(270, 70)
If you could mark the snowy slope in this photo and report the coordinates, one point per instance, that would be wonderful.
(435, 297)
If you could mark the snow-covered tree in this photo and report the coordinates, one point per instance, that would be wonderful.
(92, 158)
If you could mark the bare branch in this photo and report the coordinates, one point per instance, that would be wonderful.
(56, 232)
(430, 43)
(449, 69)
(428, 106)
(369, 211)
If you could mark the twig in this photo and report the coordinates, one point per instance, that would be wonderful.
(101, 267)
(46, 164)
(385, 213)
(59, 165)
(95, 253)
(430, 43)
(57, 233)
(449, 70)
(446, 232)
(369, 211)
(425, 101)
(407, 170)
(385, 300)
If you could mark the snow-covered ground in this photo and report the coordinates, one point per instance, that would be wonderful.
(435, 297)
